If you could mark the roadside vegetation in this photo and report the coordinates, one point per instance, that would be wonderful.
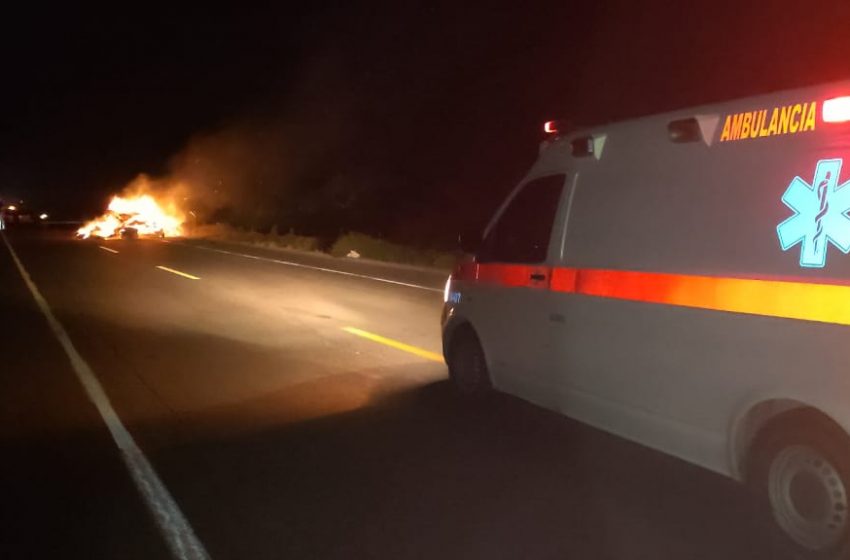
(347, 245)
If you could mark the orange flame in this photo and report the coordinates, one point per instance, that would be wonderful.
(137, 214)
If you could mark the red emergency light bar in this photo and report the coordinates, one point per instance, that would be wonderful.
(836, 110)
(550, 127)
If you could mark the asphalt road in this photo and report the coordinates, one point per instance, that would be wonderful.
(280, 433)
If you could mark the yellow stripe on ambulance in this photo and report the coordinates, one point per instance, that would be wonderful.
(788, 119)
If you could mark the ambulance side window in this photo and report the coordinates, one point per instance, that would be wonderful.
(523, 231)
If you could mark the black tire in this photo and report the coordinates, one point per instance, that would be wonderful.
(800, 467)
(467, 364)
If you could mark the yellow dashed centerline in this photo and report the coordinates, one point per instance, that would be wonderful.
(416, 351)
(108, 249)
(178, 273)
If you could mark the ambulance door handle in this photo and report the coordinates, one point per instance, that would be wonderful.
(538, 276)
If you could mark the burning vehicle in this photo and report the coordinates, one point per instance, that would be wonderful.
(130, 217)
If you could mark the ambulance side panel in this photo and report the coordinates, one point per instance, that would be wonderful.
(677, 378)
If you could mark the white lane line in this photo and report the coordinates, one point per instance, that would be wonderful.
(172, 523)
(322, 269)
(108, 249)
(177, 272)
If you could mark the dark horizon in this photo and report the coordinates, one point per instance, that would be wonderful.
(322, 117)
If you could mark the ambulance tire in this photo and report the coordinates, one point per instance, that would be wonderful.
(467, 364)
(800, 468)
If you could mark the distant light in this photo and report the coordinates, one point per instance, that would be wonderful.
(42, 217)
(550, 127)
(836, 109)
(11, 208)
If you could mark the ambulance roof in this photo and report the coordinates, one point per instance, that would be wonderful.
(794, 111)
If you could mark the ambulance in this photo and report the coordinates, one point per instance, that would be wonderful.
(683, 281)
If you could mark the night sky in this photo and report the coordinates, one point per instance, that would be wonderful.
(400, 119)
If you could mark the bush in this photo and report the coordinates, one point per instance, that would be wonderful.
(297, 242)
(271, 240)
(370, 247)
(366, 246)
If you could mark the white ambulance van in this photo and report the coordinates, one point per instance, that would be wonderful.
(682, 280)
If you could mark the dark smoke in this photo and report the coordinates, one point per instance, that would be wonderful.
(413, 123)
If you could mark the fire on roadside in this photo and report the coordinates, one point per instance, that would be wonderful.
(135, 215)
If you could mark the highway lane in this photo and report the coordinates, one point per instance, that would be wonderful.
(246, 330)
(280, 434)
(65, 492)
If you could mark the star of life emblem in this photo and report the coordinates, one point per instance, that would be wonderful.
(820, 214)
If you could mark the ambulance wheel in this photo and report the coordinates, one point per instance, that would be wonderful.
(467, 365)
(801, 467)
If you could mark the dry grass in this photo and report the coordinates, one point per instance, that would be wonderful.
(365, 246)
